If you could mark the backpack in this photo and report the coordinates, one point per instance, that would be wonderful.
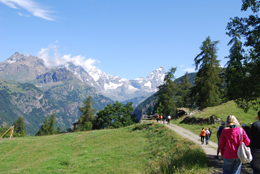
(220, 130)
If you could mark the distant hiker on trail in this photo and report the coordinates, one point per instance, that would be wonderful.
(207, 136)
(169, 119)
(164, 119)
(220, 128)
(210, 132)
(157, 118)
(229, 143)
(202, 135)
(255, 145)
(161, 117)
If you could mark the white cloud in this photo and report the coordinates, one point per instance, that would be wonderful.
(189, 70)
(33, 7)
(20, 14)
(56, 59)
(182, 66)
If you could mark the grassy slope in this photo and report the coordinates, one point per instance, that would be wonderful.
(221, 111)
(104, 151)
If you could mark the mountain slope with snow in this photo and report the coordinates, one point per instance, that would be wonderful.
(118, 88)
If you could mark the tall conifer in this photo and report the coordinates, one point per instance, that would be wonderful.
(167, 94)
(207, 78)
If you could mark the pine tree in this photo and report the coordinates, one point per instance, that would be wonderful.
(58, 131)
(48, 126)
(167, 94)
(185, 87)
(19, 127)
(207, 78)
(51, 123)
(235, 71)
(86, 119)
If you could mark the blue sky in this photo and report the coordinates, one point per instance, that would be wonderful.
(126, 38)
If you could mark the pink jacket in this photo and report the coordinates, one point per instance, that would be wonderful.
(230, 140)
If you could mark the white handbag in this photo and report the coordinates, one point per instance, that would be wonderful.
(243, 152)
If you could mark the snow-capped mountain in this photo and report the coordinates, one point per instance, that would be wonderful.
(118, 88)
(25, 68)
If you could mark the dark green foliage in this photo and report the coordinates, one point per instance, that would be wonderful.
(206, 91)
(184, 92)
(86, 119)
(58, 131)
(48, 126)
(244, 63)
(52, 123)
(150, 102)
(115, 116)
(19, 127)
(235, 72)
(167, 94)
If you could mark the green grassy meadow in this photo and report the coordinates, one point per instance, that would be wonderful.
(139, 148)
(221, 111)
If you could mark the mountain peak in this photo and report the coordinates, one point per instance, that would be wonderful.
(14, 58)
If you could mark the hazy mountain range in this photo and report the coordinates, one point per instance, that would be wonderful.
(30, 89)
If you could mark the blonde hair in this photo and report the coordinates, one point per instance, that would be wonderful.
(231, 120)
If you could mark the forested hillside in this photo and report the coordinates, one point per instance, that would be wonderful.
(33, 104)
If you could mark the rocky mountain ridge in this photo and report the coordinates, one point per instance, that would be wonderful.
(24, 68)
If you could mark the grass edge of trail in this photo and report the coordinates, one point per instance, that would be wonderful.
(140, 148)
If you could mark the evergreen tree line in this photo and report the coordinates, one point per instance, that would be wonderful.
(112, 116)
(238, 80)
(48, 126)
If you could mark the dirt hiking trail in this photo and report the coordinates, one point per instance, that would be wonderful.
(210, 150)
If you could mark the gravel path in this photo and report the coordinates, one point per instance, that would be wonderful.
(210, 149)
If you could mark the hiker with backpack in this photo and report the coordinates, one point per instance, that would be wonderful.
(161, 117)
(207, 136)
(155, 117)
(220, 128)
(210, 132)
(202, 135)
(169, 119)
(164, 119)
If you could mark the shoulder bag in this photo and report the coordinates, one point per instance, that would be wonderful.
(243, 152)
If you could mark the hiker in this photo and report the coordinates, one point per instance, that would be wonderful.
(164, 119)
(202, 135)
(210, 132)
(169, 119)
(161, 117)
(155, 117)
(207, 136)
(220, 128)
(246, 129)
(229, 143)
(254, 136)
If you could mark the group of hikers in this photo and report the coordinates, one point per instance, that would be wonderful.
(205, 133)
(229, 136)
(162, 118)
